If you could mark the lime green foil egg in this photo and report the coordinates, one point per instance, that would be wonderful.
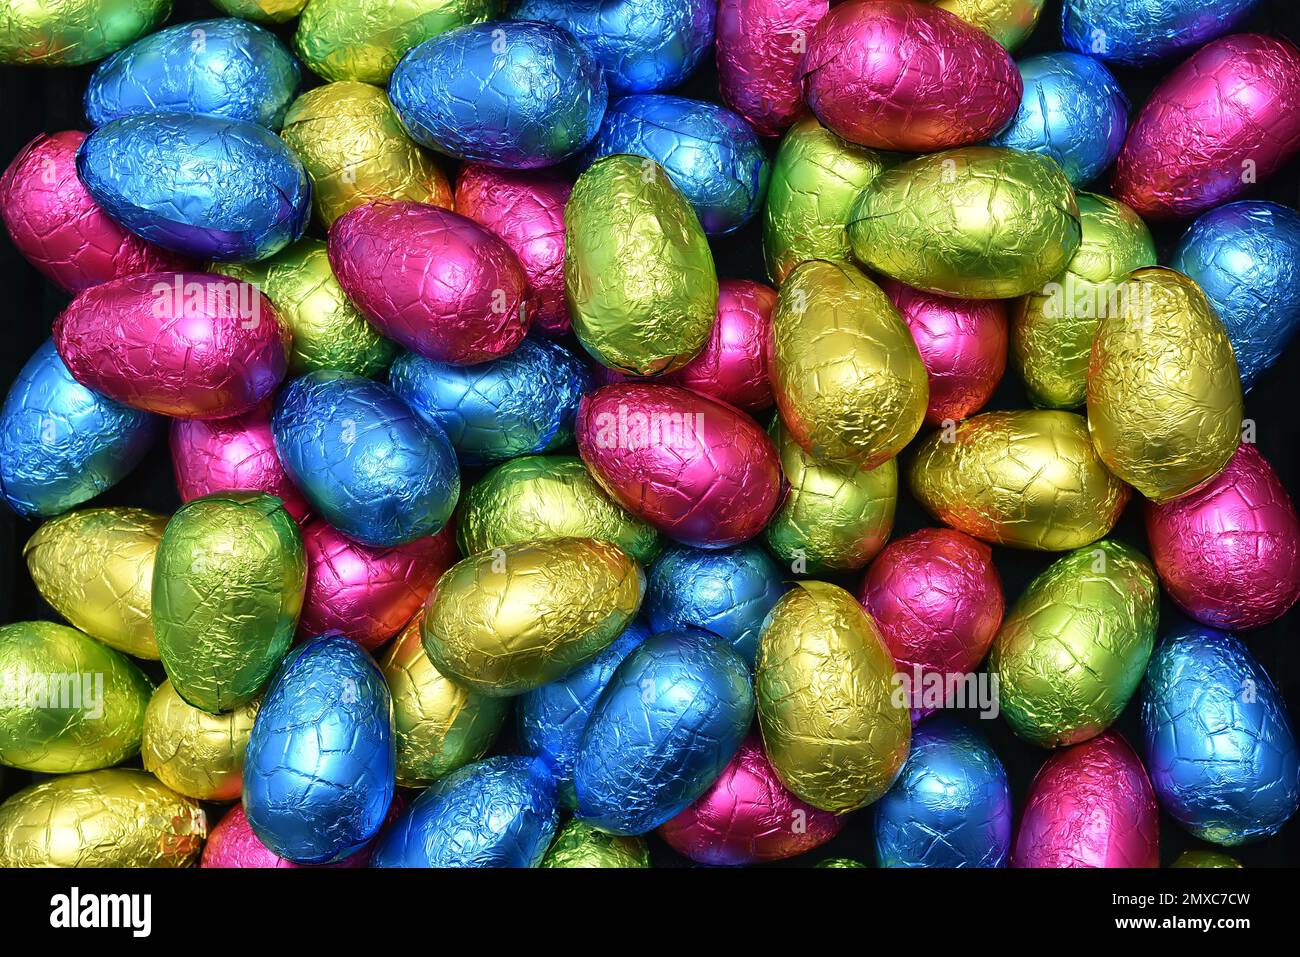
(1074, 647)
(197, 754)
(262, 11)
(1010, 22)
(67, 702)
(581, 845)
(72, 32)
(979, 222)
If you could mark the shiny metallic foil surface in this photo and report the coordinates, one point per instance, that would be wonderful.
(1205, 859)
(233, 844)
(1010, 22)
(1137, 32)
(581, 845)
(262, 11)
(194, 753)
(759, 48)
(76, 31)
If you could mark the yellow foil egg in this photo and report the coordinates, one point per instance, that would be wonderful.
(1008, 21)
(115, 818)
(1164, 394)
(262, 11)
(1028, 479)
(834, 729)
(72, 32)
(581, 845)
(508, 620)
(846, 372)
(197, 754)
(95, 568)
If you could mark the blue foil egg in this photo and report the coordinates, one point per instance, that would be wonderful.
(368, 465)
(951, 805)
(500, 812)
(62, 444)
(207, 186)
(1219, 745)
(225, 67)
(643, 45)
(674, 713)
(711, 154)
(523, 402)
(519, 95)
(727, 592)
(1134, 32)
(1073, 110)
(320, 764)
(553, 717)
(1246, 259)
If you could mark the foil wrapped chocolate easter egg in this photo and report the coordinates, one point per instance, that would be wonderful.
(352, 144)
(981, 222)
(1219, 742)
(188, 345)
(701, 472)
(1244, 256)
(845, 370)
(227, 588)
(500, 812)
(825, 688)
(673, 715)
(1138, 32)
(113, 818)
(1052, 328)
(901, 76)
(197, 754)
(75, 31)
(94, 567)
(61, 443)
(1090, 805)
(438, 725)
(1074, 646)
(951, 805)
(1164, 396)
(1205, 859)
(839, 862)
(55, 223)
(246, 195)
(1226, 118)
(638, 271)
(834, 517)
(262, 11)
(581, 845)
(1010, 22)
(514, 94)
(67, 703)
(526, 209)
(759, 48)
(433, 281)
(318, 773)
(544, 497)
(710, 154)
(233, 843)
(748, 816)
(225, 67)
(367, 464)
(507, 621)
(1021, 479)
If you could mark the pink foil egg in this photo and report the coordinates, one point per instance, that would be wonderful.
(1228, 553)
(749, 816)
(434, 281)
(59, 228)
(758, 49)
(963, 343)
(236, 454)
(899, 75)
(937, 598)
(1226, 118)
(526, 209)
(188, 345)
(232, 843)
(1090, 805)
(369, 594)
(701, 472)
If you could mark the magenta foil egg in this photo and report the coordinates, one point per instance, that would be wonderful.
(1226, 118)
(1090, 805)
(369, 594)
(758, 49)
(749, 816)
(963, 343)
(432, 280)
(232, 843)
(733, 365)
(188, 345)
(59, 228)
(526, 209)
(701, 472)
(1228, 553)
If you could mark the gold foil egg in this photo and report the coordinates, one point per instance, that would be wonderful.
(845, 369)
(508, 620)
(1027, 479)
(194, 753)
(832, 727)
(1164, 394)
(581, 845)
(1010, 22)
(95, 568)
(262, 11)
(72, 32)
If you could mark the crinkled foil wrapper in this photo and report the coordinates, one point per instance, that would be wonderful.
(759, 47)
(233, 844)
(581, 845)
(197, 754)
(262, 11)
(1010, 22)
(1205, 859)
(74, 32)
(1138, 33)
